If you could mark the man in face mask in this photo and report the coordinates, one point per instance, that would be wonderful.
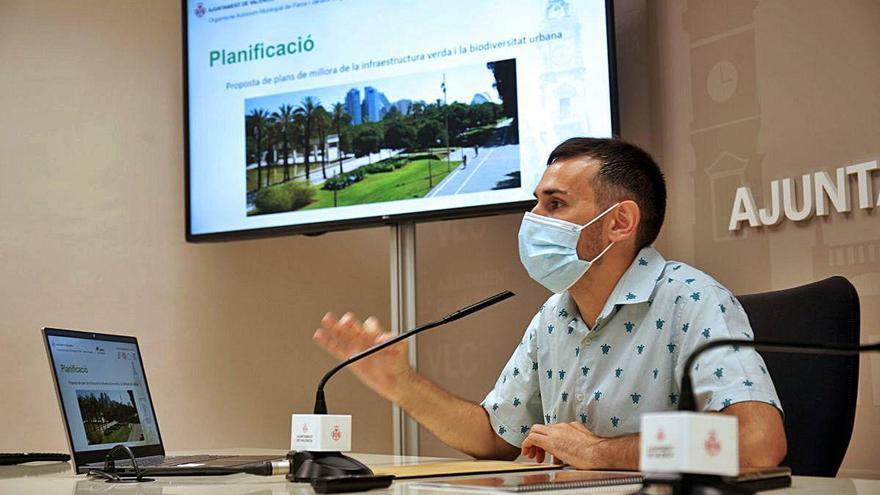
(609, 345)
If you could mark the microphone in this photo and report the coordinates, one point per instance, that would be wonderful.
(320, 403)
(666, 438)
(307, 465)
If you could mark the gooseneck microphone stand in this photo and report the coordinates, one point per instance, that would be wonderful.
(687, 401)
(308, 465)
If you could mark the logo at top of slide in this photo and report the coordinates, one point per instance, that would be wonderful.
(200, 10)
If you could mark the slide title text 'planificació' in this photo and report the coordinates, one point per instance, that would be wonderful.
(260, 51)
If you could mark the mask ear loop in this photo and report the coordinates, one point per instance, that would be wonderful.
(602, 253)
(600, 215)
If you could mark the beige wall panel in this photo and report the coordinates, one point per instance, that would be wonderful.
(460, 262)
(778, 89)
(819, 65)
(92, 237)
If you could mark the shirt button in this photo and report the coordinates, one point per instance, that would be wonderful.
(579, 397)
(587, 342)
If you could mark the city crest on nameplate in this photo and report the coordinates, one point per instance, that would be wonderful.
(320, 432)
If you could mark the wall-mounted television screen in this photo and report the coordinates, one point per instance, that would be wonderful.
(315, 115)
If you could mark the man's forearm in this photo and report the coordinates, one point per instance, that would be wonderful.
(617, 453)
(573, 444)
(761, 440)
(761, 434)
(461, 424)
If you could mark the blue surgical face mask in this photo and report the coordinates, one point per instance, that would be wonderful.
(548, 250)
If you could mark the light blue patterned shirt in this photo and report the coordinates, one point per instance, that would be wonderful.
(631, 361)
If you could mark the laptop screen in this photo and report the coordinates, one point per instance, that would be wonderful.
(103, 391)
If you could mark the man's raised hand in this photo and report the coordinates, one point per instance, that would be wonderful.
(347, 336)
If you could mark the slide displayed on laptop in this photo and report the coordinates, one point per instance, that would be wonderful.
(104, 393)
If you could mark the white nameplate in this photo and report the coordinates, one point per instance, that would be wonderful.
(320, 432)
(689, 442)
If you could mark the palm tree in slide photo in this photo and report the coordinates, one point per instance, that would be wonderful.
(257, 122)
(339, 118)
(322, 125)
(307, 110)
(284, 121)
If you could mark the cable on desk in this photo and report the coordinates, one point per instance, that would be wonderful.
(109, 474)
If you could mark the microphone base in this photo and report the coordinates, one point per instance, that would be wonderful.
(309, 465)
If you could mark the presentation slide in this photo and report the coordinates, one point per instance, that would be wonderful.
(103, 391)
(308, 112)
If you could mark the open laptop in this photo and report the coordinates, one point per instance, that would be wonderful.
(105, 401)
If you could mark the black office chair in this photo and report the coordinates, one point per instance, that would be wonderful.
(818, 393)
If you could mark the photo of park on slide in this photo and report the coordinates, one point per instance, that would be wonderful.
(448, 132)
(109, 416)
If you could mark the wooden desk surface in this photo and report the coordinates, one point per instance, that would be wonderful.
(58, 478)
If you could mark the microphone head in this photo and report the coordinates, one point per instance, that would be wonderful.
(478, 306)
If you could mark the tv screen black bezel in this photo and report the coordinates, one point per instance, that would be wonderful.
(316, 228)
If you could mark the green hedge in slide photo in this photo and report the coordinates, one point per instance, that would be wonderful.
(289, 196)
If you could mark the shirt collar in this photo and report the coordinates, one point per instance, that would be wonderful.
(566, 310)
(636, 286)
(639, 281)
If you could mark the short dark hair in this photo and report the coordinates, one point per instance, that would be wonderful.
(626, 172)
